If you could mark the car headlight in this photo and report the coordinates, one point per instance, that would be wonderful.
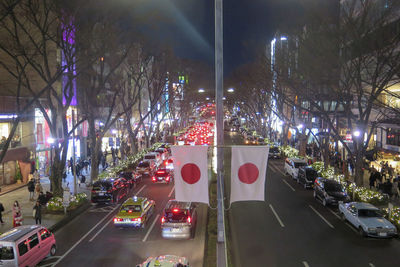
(371, 229)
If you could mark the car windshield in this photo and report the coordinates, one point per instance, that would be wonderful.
(369, 213)
(176, 216)
(299, 164)
(131, 208)
(274, 150)
(161, 173)
(6, 253)
(143, 165)
(333, 187)
(101, 186)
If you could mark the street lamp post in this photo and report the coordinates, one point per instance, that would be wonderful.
(221, 245)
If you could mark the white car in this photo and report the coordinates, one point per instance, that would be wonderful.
(367, 219)
(292, 166)
(165, 261)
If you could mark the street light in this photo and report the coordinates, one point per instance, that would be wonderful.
(201, 90)
(356, 133)
(231, 90)
(50, 140)
(114, 131)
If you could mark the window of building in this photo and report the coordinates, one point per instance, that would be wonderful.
(393, 137)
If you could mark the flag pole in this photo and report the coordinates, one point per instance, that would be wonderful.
(221, 244)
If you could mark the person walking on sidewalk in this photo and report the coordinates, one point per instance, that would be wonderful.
(31, 188)
(37, 212)
(1, 211)
(17, 215)
(38, 189)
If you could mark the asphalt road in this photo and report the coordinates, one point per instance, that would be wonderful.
(291, 228)
(92, 240)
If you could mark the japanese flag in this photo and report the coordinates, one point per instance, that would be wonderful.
(191, 173)
(248, 169)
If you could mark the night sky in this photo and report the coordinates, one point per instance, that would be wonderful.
(188, 26)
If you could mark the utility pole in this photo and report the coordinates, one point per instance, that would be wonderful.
(219, 73)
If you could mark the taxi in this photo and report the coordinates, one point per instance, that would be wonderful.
(135, 212)
(165, 261)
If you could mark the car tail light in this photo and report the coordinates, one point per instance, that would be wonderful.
(153, 178)
(129, 211)
(117, 220)
(189, 219)
(175, 210)
(162, 220)
(167, 179)
(93, 191)
(139, 219)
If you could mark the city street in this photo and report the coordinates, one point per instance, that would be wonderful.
(92, 240)
(291, 228)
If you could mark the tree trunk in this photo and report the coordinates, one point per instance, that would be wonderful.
(359, 172)
(57, 170)
(94, 173)
(302, 144)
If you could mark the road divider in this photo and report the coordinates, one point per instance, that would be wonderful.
(276, 215)
(322, 217)
(305, 264)
(151, 228)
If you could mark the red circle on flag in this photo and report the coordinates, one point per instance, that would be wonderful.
(190, 173)
(248, 173)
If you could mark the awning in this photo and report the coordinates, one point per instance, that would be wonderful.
(13, 154)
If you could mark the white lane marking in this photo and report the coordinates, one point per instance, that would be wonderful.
(305, 264)
(170, 193)
(351, 227)
(88, 233)
(276, 215)
(334, 213)
(83, 237)
(371, 264)
(101, 229)
(291, 187)
(140, 190)
(273, 168)
(151, 228)
(322, 217)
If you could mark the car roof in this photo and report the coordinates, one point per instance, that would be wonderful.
(165, 261)
(134, 200)
(362, 205)
(18, 232)
(298, 160)
(307, 168)
(172, 204)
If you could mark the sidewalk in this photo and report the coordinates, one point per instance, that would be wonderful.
(20, 193)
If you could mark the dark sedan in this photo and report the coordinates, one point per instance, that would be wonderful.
(110, 190)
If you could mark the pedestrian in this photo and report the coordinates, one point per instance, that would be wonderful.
(37, 212)
(17, 214)
(31, 188)
(395, 188)
(372, 179)
(38, 189)
(1, 211)
(70, 163)
(42, 198)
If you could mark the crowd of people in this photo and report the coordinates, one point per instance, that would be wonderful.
(385, 180)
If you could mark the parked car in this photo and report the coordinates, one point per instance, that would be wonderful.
(26, 245)
(292, 166)
(165, 261)
(329, 191)
(169, 164)
(367, 219)
(307, 176)
(274, 153)
(178, 220)
(163, 175)
(146, 167)
(132, 178)
(135, 212)
(110, 190)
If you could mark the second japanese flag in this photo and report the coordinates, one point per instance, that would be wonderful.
(191, 173)
(248, 169)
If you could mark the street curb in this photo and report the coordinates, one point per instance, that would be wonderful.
(69, 217)
(14, 189)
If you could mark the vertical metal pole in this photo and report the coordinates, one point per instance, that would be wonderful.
(73, 151)
(221, 248)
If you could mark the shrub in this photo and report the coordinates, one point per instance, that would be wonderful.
(56, 203)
